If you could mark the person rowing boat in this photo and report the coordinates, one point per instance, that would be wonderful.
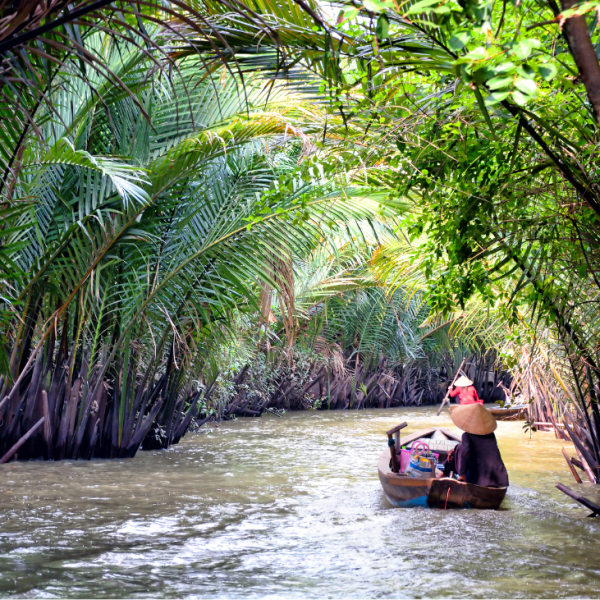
(477, 458)
(467, 394)
(403, 488)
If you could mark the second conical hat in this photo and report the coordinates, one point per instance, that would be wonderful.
(463, 381)
(473, 418)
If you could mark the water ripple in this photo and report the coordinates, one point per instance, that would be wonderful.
(292, 507)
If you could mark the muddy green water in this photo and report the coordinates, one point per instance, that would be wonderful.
(289, 508)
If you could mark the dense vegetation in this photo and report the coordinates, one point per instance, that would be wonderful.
(347, 198)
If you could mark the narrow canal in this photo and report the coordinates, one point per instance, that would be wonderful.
(290, 508)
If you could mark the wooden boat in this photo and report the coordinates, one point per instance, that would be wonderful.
(404, 491)
(512, 413)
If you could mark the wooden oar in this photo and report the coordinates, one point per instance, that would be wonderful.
(447, 396)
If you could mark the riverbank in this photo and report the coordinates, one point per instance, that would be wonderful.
(289, 507)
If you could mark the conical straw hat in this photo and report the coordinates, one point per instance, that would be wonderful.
(463, 381)
(473, 418)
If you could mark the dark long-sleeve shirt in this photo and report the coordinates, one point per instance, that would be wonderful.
(480, 460)
(466, 395)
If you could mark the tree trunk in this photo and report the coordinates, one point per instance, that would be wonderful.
(578, 38)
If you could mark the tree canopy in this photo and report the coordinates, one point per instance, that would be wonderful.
(394, 177)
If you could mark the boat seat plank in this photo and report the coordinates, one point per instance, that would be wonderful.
(409, 439)
(452, 435)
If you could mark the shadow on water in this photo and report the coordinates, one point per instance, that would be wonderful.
(289, 507)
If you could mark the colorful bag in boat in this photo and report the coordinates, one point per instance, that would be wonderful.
(422, 461)
(404, 460)
(405, 456)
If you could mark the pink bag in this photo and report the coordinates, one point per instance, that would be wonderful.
(404, 460)
(406, 454)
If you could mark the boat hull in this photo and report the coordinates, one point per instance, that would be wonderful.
(509, 414)
(450, 493)
(401, 490)
(405, 492)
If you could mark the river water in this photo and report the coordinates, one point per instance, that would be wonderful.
(290, 507)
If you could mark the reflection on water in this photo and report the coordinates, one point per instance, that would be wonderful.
(289, 507)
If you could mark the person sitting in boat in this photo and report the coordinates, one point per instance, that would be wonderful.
(467, 394)
(477, 458)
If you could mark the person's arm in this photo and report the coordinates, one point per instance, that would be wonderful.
(465, 454)
(449, 465)
(454, 392)
(476, 396)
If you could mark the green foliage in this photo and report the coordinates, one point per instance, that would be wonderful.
(475, 113)
(444, 150)
(139, 226)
